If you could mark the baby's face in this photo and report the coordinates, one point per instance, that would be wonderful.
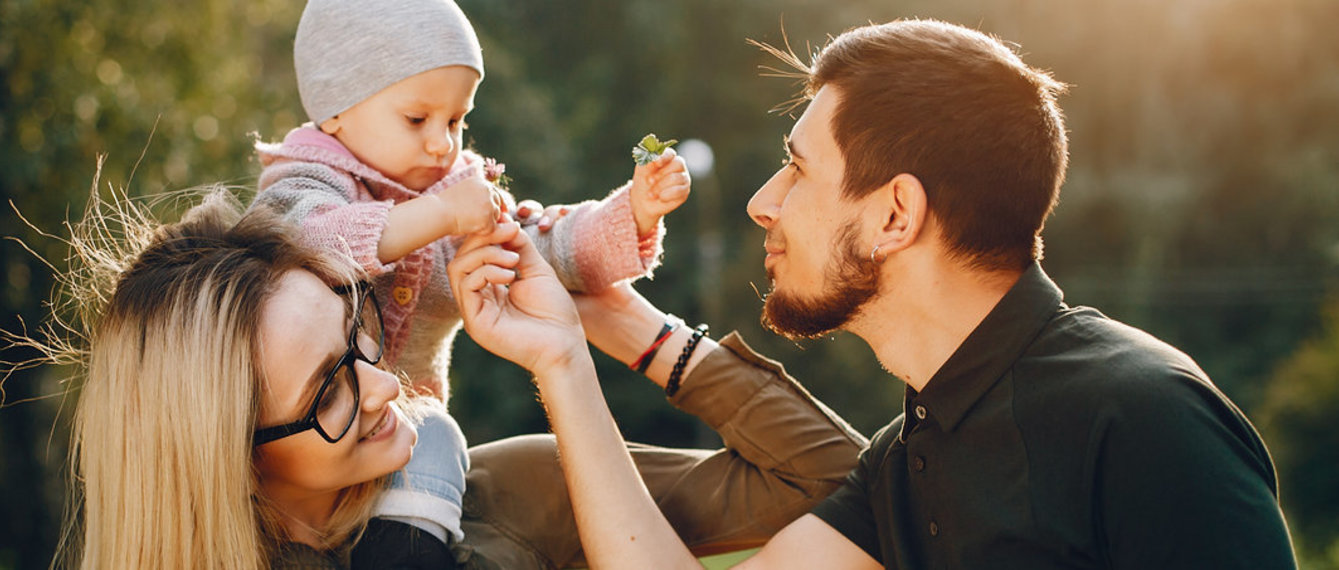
(410, 131)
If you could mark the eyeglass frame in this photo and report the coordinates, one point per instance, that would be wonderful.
(351, 356)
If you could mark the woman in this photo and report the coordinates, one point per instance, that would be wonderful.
(234, 416)
(218, 326)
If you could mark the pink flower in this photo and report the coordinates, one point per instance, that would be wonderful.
(493, 170)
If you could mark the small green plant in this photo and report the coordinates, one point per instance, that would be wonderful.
(650, 149)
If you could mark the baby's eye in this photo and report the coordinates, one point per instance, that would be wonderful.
(415, 120)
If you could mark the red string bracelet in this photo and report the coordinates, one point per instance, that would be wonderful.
(644, 361)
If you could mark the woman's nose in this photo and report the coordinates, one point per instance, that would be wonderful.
(376, 386)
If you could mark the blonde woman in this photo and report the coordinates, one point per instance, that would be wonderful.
(218, 325)
(234, 416)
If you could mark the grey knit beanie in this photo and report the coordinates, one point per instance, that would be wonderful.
(348, 50)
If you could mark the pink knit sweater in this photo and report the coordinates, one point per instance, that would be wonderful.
(342, 204)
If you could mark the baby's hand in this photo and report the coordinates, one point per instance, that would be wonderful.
(472, 205)
(657, 189)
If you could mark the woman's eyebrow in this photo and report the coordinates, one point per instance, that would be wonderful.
(318, 375)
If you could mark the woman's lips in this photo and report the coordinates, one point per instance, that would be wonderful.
(384, 429)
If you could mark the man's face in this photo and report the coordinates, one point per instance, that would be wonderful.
(821, 273)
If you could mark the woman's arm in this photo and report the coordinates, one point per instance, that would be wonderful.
(513, 305)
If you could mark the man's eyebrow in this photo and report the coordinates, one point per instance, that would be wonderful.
(790, 148)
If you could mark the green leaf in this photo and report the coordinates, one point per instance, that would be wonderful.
(650, 148)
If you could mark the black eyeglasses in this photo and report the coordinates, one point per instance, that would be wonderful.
(336, 404)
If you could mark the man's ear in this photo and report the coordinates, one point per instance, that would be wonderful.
(331, 126)
(902, 204)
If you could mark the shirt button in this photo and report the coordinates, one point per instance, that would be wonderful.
(934, 528)
(920, 412)
(918, 463)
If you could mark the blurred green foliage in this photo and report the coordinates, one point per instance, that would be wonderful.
(1202, 202)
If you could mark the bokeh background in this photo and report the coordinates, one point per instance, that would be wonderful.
(1202, 202)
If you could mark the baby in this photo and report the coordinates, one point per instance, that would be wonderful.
(379, 174)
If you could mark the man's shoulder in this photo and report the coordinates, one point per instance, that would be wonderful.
(1089, 343)
(1091, 361)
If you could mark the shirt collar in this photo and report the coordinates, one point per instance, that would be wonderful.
(990, 350)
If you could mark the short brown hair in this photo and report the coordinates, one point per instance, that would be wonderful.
(962, 113)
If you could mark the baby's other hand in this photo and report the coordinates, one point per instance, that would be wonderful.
(472, 205)
(657, 189)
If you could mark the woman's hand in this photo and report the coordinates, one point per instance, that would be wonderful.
(512, 303)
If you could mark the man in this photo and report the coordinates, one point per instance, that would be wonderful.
(1034, 435)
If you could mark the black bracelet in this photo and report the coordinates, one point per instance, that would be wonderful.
(672, 386)
(644, 361)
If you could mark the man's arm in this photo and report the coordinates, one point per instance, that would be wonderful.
(810, 543)
(1184, 481)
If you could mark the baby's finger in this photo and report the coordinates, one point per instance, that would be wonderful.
(676, 193)
(528, 209)
(551, 216)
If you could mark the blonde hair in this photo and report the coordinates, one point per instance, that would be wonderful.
(162, 456)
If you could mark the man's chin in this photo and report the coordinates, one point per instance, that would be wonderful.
(797, 319)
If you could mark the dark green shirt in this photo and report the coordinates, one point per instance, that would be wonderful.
(1055, 437)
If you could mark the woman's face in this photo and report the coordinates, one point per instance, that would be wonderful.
(304, 330)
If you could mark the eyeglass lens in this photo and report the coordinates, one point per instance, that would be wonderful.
(337, 404)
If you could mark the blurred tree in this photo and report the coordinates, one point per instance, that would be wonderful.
(1201, 205)
(1300, 405)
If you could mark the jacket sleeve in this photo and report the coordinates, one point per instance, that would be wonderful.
(784, 451)
(596, 244)
(321, 200)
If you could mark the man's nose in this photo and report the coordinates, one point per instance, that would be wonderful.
(766, 202)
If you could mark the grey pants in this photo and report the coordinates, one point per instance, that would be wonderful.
(784, 451)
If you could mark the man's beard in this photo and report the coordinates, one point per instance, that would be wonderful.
(850, 281)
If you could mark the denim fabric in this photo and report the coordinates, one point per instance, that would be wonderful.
(427, 493)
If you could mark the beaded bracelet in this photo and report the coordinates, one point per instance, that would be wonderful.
(672, 386)
(644, 361)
